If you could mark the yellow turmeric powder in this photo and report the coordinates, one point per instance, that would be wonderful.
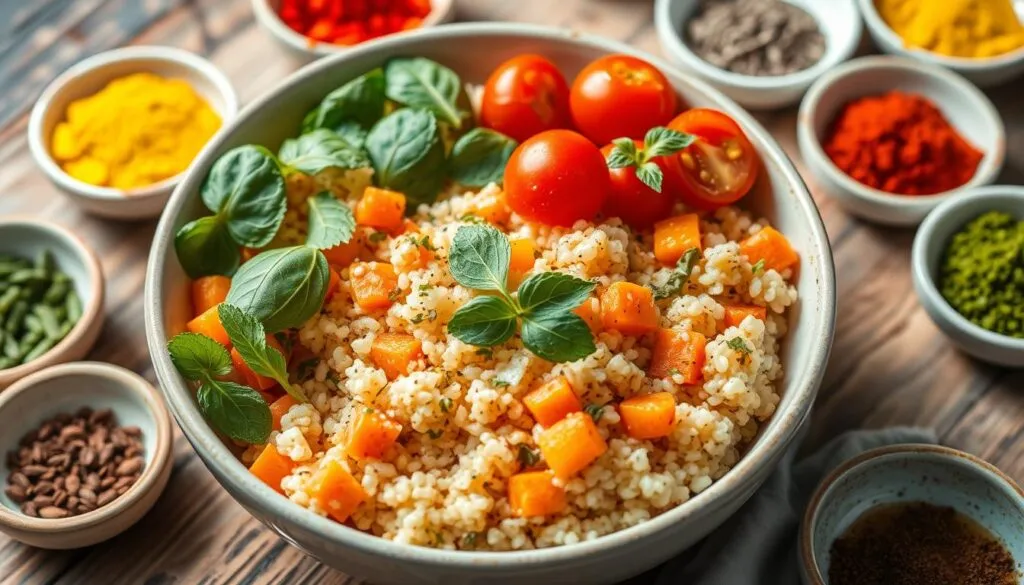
(136, 131)
(958, 28)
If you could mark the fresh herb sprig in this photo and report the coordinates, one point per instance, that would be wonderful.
(479, 259)
(659, 141)
(679, 276)
(250, 339)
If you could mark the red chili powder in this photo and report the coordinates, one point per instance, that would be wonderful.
(347, 22)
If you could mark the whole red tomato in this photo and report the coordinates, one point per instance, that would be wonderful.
(525, 96)
(637, 203)
(618, 96)
(557, 177)
(720, 166)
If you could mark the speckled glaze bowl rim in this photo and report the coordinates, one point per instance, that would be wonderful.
(877, 24)
(38, 143)
(926, 239)
(780, 431)
(988, 168)
(161, 456)
(951, 456)
(91, 311)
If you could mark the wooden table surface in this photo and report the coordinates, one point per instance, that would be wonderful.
(890, 365)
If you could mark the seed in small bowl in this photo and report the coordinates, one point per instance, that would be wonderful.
(73, 464)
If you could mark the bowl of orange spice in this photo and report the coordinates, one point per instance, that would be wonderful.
(889, 138)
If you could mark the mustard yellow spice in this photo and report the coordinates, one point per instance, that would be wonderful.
(958, 28)
(136, 131)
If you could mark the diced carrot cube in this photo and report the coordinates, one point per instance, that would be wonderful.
(735, 314)
(336, 491)
(209, 291)
(346, 253)
(381, 208)
(333, 284)
(590, 312)
(393, 352)
(522, 257)
(372, 433)
(552, 401)
(649, 416)
(409, 227)
(271, 467)
(771, 247)
(676, 235)
(628, 308)
(249, 254)
(374, 285)
(571, 444)
(279, 408)
(493, 208)
(208, 324)
(534, 493)
(676, 352)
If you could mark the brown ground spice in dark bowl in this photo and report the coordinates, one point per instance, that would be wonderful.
(919, 544)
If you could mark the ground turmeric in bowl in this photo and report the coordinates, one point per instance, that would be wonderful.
(138, 130)
(958, 28)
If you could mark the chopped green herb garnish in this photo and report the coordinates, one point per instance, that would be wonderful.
(435, 433)
(446, 404)
(739, 344)
(485, 352)
(758, 267)
(499, 383)
(470, 218)
(596, 411)
(306, 367)
(469, 539)
(378, 237)
(527, 455)
(679, 275)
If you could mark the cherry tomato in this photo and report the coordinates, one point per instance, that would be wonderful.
(556, 178)
(720, 166)
(524, 96)
(632, 200)
(618, 96)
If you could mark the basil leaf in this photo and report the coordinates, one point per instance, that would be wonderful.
(360, 100)
(479, 258)
(557, 337)
(197, 356)
(553, 292)
(205, 247)
(250, 340)
(320, 150)
(351, 132)
(235, 410)
(483, 321)
(479, 157)
(330, 221)
(421, 83)
(408, 155)
(679, 276)
(245, 186)
(282, 288)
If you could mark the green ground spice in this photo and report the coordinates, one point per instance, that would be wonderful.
(982, 273)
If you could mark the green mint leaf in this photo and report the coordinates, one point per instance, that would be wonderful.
(360, 101)
(205, 247)
(320, 150)
(660, 141)
(479, 258)
(245, 186)
(479, 157)
(650, 174)
(675, 282)
(408, 155)
(553, 292)
(250, 340)
(483, 321)
(739, 344)
(417, 82)
(623, 153)
(282, 287)
(235, 410)
(557, 337)
(330, 221)
(197, 356)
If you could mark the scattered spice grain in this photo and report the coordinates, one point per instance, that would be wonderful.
(919, 544)
(73, 464)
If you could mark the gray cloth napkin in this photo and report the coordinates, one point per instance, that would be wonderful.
(758, 546)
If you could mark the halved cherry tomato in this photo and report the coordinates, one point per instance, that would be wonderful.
(556, 178)
(524, 96)
(618, 96)
(720, 166)
(632, 200)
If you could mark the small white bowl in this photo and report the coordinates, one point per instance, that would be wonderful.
(66, 388)
(932, 474)
(303, 49)
(840, 24)
(985, 72)
(90, 76)
(26, 238)
(963, 104)
(929, 246)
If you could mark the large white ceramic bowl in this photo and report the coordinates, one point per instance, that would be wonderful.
(839, 22)
(473, 50)
(983, 72)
